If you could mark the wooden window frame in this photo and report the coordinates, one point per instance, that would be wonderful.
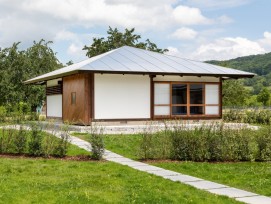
(188, 105)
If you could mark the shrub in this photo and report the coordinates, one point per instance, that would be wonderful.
(252, 116)
(3, 114)
(35, 143)
(96, 141)
(213, 142)
(263, 140)
(20, 140)
(7, 141)
(62, 143)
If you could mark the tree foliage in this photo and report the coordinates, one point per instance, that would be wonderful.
(258, 64)
(116, 39)
(16, 66)
(234, 93)
(264, 96)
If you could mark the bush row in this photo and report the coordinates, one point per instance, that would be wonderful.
(255, 116)
(207, 143)
(33, 142)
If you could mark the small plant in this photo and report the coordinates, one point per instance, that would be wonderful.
(35, 143)
(96, 141)
(20, 140)
(63, 142)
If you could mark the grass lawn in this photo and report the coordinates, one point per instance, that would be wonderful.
(60, 181)
(126, 145)
(251, 176)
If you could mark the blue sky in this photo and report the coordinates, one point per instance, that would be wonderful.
(196, 29)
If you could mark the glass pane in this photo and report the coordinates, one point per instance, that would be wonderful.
(179, 94)
(161, 94)
(211, 94)
(212, 110)
(196, 110)
(161, 110)
(179, 110)
(196, 94)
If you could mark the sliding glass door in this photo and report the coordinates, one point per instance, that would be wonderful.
(179, 99)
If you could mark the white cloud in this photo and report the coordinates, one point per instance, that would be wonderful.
(224, 19)
(173, 51)
(267, 35)
(74, 49)
(227, 48)
(65, 35)
(185, 15)
(216, 4)
(266, 41)
(184, 33)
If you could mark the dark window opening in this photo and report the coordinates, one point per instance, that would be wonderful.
(73, 98)
(179, 110)
(196, 110)
(196, 94)
(179, 94)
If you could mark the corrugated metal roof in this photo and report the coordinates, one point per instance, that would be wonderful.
(138, 61)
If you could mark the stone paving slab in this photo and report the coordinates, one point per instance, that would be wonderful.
(182, 178)
(118, 159)
(147, 168)
(255, 200)
(205, 185)
(134, 164)
(164, 173)
(232, 192)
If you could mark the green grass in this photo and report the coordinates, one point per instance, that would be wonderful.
(57, 181)
(251, 176)
(75, 151)
(126, 145)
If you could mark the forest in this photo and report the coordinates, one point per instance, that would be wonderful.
(255, 91)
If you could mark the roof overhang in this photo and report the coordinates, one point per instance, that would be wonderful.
(227, 76)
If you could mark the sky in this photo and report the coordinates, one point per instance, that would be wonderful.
(194, 29)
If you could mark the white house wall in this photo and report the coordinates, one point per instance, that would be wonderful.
(121, 96)
(185, 78)
(54, 105)
(53, 82)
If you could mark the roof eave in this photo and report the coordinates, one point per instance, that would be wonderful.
(33, 81)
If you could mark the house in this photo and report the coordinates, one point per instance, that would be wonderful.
(134, 84)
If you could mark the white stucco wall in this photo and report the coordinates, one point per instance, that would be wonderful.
(54, 105)
(53, 82)
(121, 96)
(185, 78)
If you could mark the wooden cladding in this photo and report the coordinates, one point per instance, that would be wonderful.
(77, 98)
(54, 90)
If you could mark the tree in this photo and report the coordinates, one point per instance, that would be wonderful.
(16, 66)
(234, 93)
(264, 96)
(116, 39)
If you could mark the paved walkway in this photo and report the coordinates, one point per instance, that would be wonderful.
(212, 187)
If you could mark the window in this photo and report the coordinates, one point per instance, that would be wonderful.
(73, 98)
(212, 99)
(173, 99)
(162, 99)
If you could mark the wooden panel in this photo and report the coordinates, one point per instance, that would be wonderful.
(53, 90)
(78, 113)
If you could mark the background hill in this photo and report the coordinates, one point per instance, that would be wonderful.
(259, 64)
